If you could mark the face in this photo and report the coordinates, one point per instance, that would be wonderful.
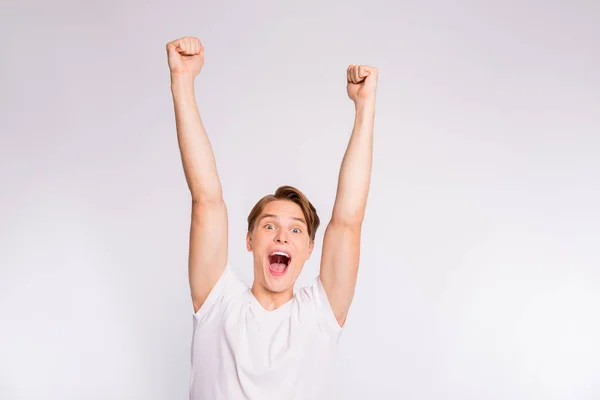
(280, 245)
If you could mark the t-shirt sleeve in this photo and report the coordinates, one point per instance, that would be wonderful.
(227, 288)
(317, 297)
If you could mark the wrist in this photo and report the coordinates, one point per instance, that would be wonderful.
(182, 81)
(365, 106)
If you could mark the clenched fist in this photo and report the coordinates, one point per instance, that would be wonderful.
(186, 56)
(362, 83)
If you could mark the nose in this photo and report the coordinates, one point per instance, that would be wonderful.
(281, 238)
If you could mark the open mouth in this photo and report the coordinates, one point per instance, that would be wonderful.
(278, 262)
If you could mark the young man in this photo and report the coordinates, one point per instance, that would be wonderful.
(267, 342)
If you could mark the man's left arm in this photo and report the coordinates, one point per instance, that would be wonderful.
(341, 244)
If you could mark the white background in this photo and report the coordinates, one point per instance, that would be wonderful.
(480, 268)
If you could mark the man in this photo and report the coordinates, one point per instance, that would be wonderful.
(267, 342)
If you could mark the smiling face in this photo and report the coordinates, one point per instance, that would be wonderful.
(280, 244)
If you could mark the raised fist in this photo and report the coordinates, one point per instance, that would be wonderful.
(362, 83)
(186, 56)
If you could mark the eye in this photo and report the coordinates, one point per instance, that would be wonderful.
(268, 226)
(296, 230)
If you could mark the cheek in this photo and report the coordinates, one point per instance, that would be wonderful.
(262, 242)
(304, 248)
(256, 242)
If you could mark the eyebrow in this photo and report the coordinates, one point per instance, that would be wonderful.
(276, 217)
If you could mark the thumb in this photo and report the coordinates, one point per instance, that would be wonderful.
(175, 47)
(374, 71)
(180, 46)
(364, 71)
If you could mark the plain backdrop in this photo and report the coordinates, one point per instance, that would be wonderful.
(480, 267)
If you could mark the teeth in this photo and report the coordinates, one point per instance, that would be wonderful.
(280, 253)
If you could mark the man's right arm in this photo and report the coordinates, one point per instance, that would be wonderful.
(209, 230)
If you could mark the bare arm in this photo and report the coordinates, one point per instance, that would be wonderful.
(208, 231)
(341, 244)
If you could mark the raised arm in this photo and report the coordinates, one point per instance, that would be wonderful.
(341, 244)
(208, 231)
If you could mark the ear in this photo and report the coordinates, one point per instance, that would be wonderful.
(248, 242)
(311, 247)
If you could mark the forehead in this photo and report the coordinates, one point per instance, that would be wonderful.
(283, 209)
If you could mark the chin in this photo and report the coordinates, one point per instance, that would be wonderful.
(277, 287)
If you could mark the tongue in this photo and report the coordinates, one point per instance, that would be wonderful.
(278, 267)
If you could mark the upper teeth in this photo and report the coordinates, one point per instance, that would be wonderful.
(280, 253)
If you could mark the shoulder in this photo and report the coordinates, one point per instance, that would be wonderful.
(313, 297)
(228, 288)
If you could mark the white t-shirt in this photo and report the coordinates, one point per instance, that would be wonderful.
(242, 351)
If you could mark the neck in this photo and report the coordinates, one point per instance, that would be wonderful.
(270, 300)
